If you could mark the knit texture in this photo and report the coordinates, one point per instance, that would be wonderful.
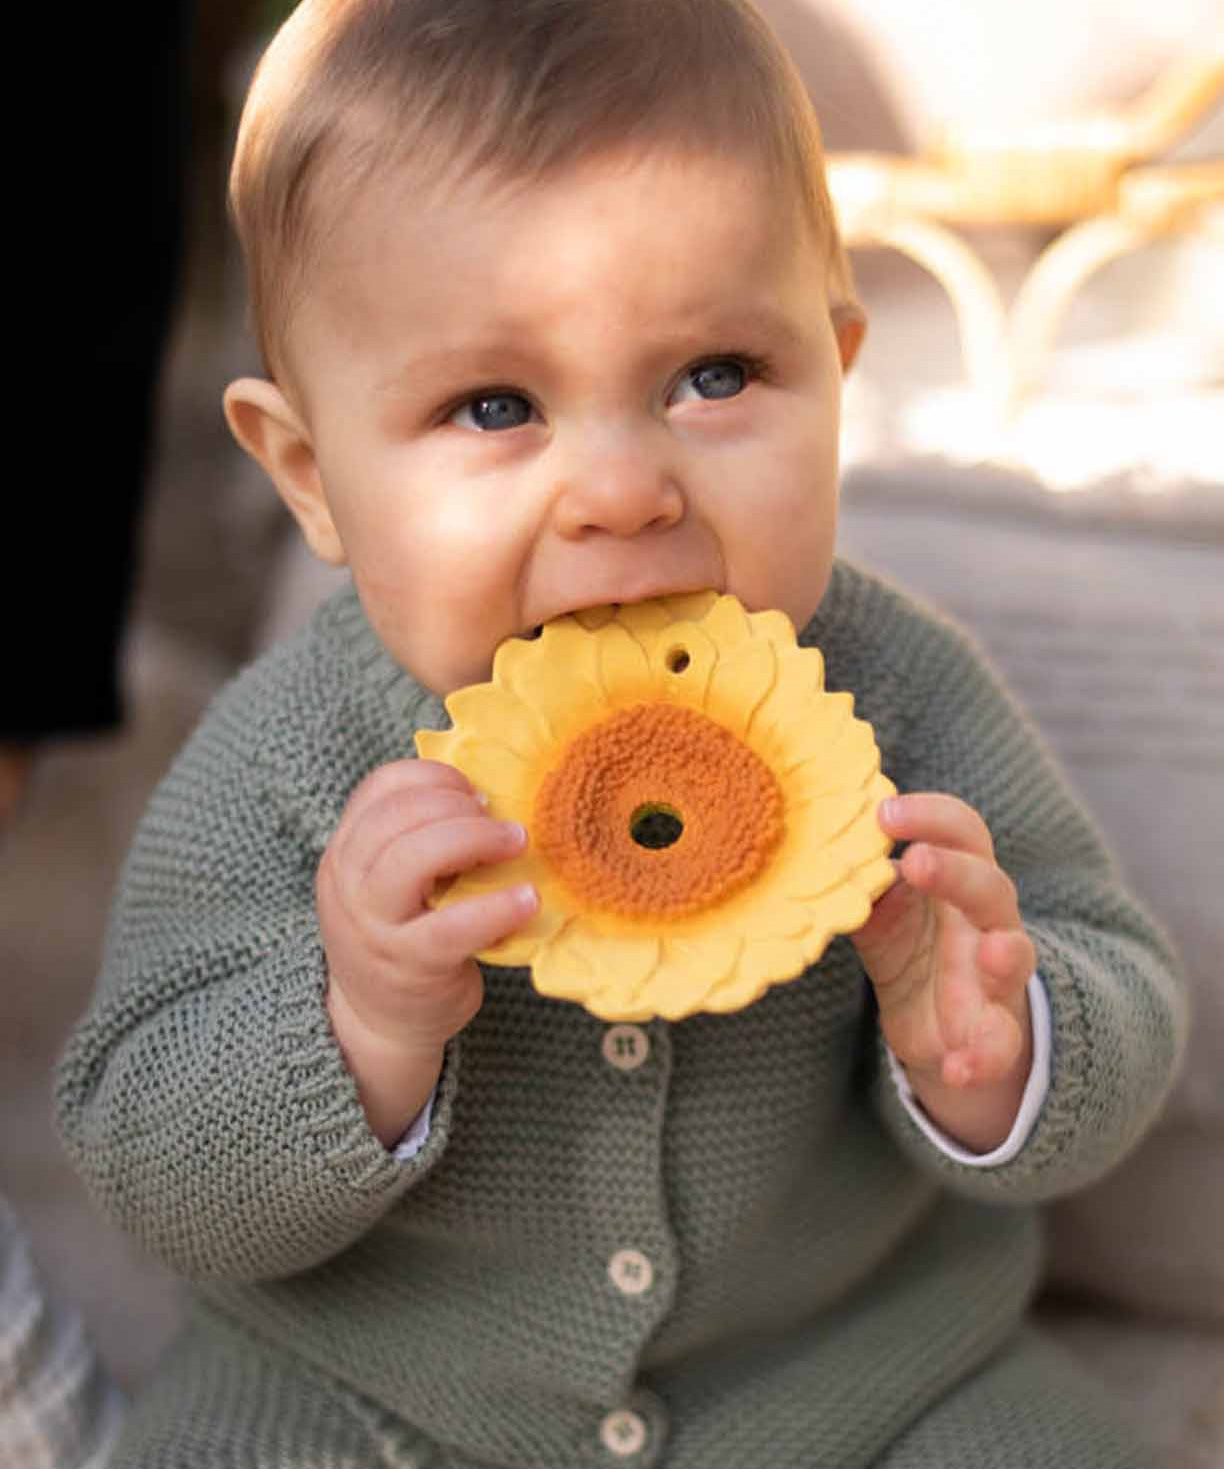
(820, 1276)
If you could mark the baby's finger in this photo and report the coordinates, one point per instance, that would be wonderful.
(397, 778)
(932, 816)
(1007, 959)
(443, 938)
(990, 1054)
(361, 841)
(975, 886)
(400, 883)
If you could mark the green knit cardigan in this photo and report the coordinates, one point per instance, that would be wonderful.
(739, 1252)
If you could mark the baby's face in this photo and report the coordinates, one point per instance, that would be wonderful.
(615, 384)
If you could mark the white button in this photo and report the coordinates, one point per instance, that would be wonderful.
(623, 1433)
(631, 1272)
(626, 1047)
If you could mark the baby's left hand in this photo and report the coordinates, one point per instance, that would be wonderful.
(949, 958)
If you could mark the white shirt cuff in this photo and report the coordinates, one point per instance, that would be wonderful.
(414, 1139)
(1030, 1103)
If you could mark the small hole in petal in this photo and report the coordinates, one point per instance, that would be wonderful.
(655, 826)
(678, 660)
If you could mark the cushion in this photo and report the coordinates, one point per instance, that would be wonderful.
(1103, 610)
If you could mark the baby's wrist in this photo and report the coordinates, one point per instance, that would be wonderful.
(979, 1118)
(395, 1071)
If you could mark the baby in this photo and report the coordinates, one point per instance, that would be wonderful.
(554, 314)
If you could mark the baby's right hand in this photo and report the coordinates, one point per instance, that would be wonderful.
(401, 976)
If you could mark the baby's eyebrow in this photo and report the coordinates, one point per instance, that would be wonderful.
(425, 368)
(754, 323)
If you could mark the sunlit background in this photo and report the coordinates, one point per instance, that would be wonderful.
(1129, 386)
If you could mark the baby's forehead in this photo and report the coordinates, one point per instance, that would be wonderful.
(633, 258)
(406, 206)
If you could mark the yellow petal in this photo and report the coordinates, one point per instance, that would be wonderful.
(504, 776)
(619, 999)
(735, 993)
(849, 763)
(843, 910)
(824, 817)
(879, 789)
(875, 878)
(690, 970)
(727, 623)
(574, 966)
(565, 648)
(862, 841)
(625, 674)
(608, 1005)
(689, 606)
(642, 620)
(762, 912)
(810, 869)
(762, 962)
(814, 725)
(740, 684)
(563, 708)
(593, 618)
(773, 627)
(486, 706)
(431, 744)
(683, 657)
(560, 974)
(522, 947)
(555, 677)
(797, 719)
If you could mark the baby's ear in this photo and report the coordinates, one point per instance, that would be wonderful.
(850, 327)
(272, 432)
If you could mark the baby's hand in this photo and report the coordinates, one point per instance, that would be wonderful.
(401, 976)
(950, 961)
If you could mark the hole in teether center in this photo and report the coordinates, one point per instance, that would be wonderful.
(655, 827)
(678, 660)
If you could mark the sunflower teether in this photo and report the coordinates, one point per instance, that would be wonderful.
(700, 812)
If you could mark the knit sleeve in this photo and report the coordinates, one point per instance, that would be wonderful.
(203, 1096)
(1116, 994)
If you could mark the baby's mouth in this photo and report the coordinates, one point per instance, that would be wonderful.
(530, 634)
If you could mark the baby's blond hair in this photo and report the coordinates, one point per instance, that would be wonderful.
(521, 88)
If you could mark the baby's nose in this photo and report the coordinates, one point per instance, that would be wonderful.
(621, 491)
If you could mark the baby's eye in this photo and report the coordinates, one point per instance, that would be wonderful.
(726, 377)
(489, 412)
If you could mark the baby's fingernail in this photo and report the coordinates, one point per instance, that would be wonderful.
(525, 896)
(890, 810)
(482, 798)
(518, 831)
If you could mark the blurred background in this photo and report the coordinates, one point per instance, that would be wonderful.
(1034, 439)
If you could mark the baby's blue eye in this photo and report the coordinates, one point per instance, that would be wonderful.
(725, 377)
(719, 379)
(491, 412)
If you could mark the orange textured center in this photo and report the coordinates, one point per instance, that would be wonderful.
(657, 758)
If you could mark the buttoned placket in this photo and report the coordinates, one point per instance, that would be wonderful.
(637, 1059)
